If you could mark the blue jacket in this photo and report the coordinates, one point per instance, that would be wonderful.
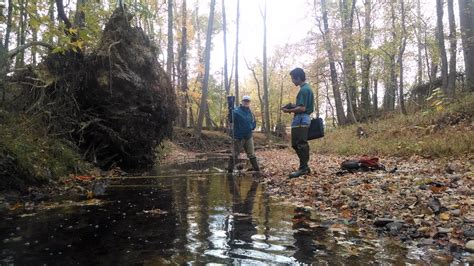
(244, 122)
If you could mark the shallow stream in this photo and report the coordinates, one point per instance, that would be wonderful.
(191, 217)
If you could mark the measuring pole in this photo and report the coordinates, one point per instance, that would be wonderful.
(230, 117)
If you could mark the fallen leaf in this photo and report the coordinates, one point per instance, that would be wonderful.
(346, 214)
(444, 216)
(84, 177)
(437, 189)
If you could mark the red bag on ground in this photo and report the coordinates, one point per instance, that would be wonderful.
(363, 163)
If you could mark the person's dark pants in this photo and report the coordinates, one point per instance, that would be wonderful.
(299, 142)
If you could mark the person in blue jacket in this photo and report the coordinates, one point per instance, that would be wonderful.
(244, 123)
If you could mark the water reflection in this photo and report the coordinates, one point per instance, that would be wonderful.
(199, 219)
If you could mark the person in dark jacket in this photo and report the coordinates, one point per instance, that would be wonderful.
(244, 124)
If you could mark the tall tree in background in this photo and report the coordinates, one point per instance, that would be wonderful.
(4, 66)
(80, 16)
(348, 57)
(257, 83)
(466, 15)
(21, 34)
(341, 117)
(390, 62)
(205, 81)
(401, 51)
(265, 74)
(170, 52)
(366, 62)
(441, 46)
(419, 60)
(224, 28)
(184, 67)
(452, 50)
(237, 52)
(8, 29)
(51, 19)
(375, 98)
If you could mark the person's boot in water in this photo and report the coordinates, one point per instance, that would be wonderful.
(230, 165)
(255, 166)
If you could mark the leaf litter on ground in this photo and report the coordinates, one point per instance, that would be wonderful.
(424, 199)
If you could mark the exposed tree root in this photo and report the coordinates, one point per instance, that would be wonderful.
(117, 103)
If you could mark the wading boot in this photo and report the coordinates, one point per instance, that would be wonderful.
(303, 170)
(255, 167)
(230, 166)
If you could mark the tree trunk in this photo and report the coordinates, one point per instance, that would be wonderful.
(34, 50)
(210, 124)
(452, 50)
(224, 29)
(169, 60)
(265, 74)
(205, 81)
(350, 78)
(316, 97)
(4, 65)
(236, 82)
(80, 16)
(348, 57)
(401, 51)
(441, 46)
(341, 117)
(21, 35)
(419, 75)
(262, 108)
(62, 14)
(192, 123)
(466, 14)
(34, 33)
(366, 62)
(375, 97)
(51, 18)
(280, 103)
(390, 91)
(9, 25)
(184, 67)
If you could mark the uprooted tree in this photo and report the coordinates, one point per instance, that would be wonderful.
(115, 103)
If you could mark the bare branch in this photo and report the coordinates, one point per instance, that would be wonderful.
(21, 48)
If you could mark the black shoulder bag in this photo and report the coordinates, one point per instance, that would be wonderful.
(316, 128)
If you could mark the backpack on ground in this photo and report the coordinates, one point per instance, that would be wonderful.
(362, 164)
